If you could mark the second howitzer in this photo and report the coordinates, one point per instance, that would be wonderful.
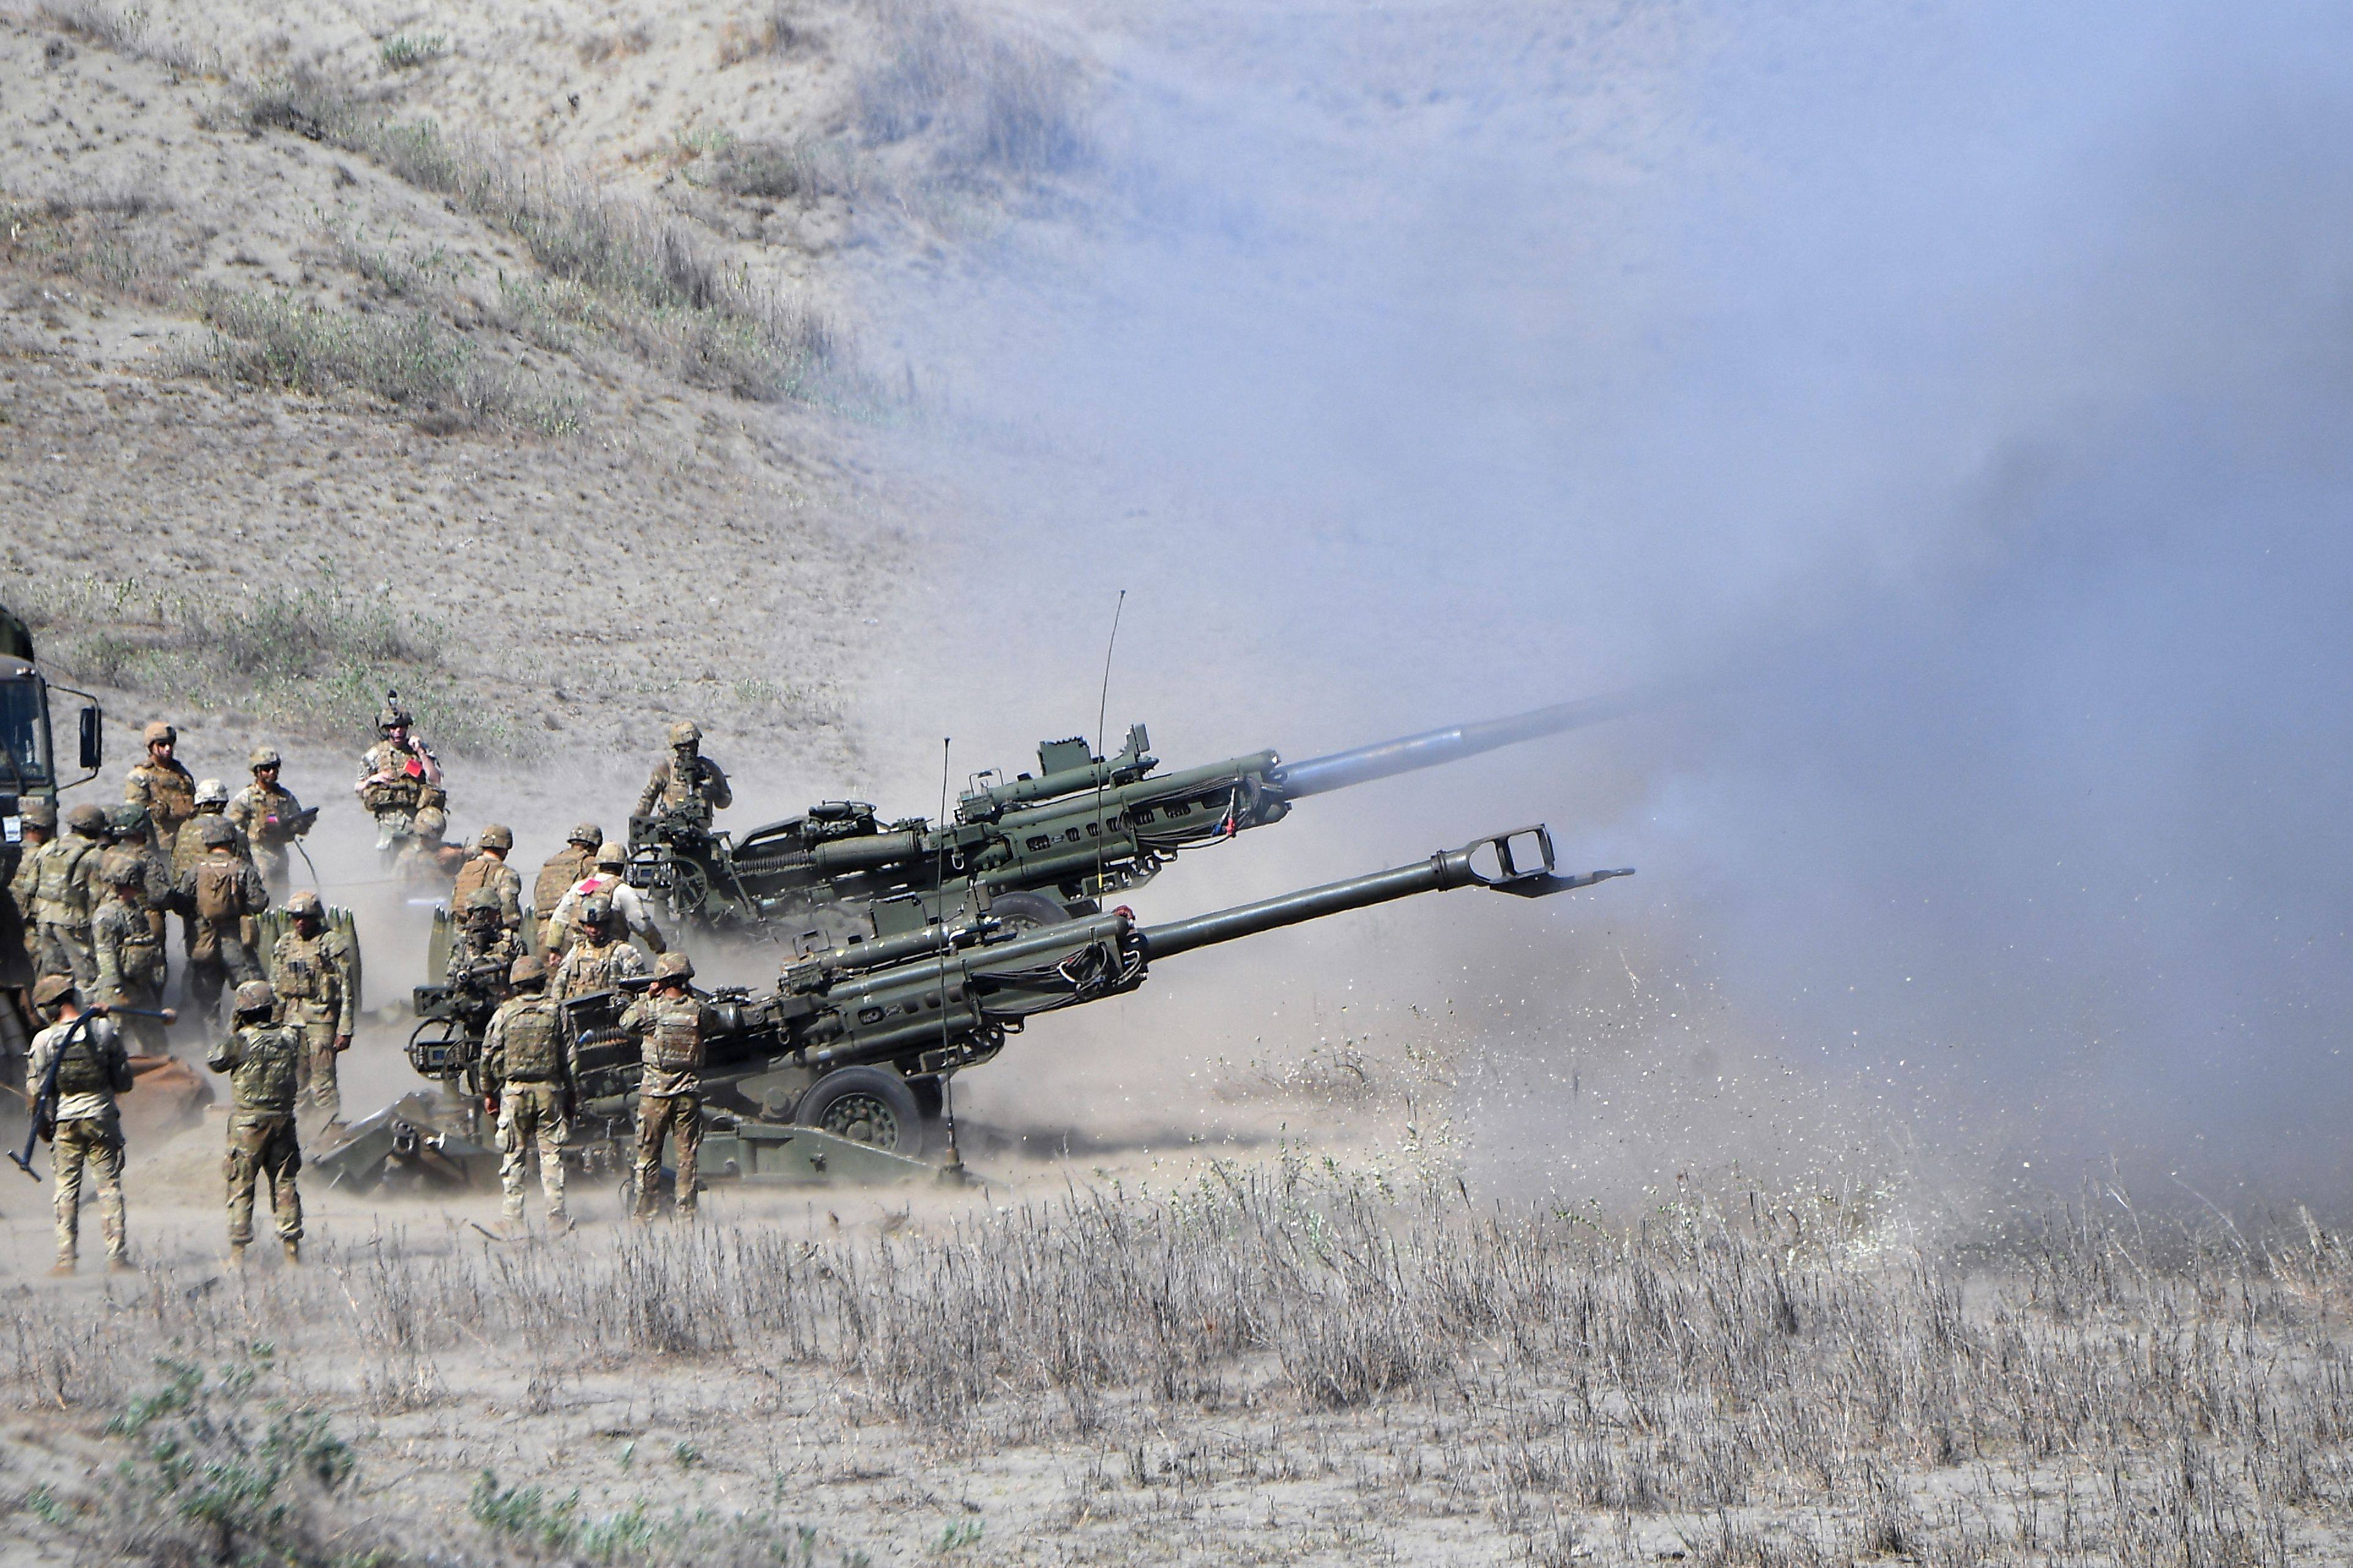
(1034, 849)
(858, 1041)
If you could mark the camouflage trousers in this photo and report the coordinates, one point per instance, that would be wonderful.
(315, 1069)
(231, 964)
(64, 949)
(659, 1116)
(91, 1144)
(262, 1145)
(394, 828)
(532, 1113)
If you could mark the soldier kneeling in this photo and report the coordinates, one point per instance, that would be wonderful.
(670, 1025)
(262, 1060)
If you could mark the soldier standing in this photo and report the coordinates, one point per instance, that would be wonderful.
(129, 948)
(271, 819)
(91, 1070)
(568, 865)
(187, 845)
(424, 862)
(223, 893)
(597, 960)
(669, 1024)
(262, 1060)
(66, 894)
(37, 819)
(161, 785)
(488, 871)
(610, 881)
(127, 833)
(686, 782)
(310, 970)
(524, 1070)
(399, 777)
(482, 942)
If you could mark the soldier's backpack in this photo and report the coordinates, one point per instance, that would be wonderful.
(220, 890)
(63, 897)
(82, 1070)
(535, 1043)
(674, 1039)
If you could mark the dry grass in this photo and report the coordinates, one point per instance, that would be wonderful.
(126, 244)
(1762, 1384)
(993, 105)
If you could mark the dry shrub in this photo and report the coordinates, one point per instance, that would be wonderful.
(776, 33)
(599, 48)
(991, 105)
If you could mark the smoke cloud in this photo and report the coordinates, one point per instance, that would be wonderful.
(1955, 403)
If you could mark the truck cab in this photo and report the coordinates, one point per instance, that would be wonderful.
(28, 759)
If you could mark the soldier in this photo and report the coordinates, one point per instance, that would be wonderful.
(310, 969)
(271, 819)
(92, 1068)
(525, 1073)
(222, 894)
(127, 833)
(37, 819)
(482, 939)
(669, 1024)
(129, 948)
(263, 1061)
(489, 871)
(187, 845)
(399, 777)
(686, 783)
(66, 894)
(161, 785)
(568, 865)
(426, 864)
(610, 881)
(598, 960)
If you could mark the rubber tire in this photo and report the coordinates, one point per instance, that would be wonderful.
(1028, 911)
(876, 1084)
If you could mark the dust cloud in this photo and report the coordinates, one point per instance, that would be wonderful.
(1953, 400)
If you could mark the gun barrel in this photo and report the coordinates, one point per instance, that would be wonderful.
(1428, 750)
(1520, 861)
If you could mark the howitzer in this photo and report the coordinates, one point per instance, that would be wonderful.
(857, 1040)
(1032, 850)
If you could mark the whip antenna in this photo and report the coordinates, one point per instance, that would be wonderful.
(953, 1169)
(1102, 707)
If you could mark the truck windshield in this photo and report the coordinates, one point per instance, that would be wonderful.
(24, 738)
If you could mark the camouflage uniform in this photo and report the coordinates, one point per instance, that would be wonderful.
(423, 862)
(19, 937)
(607, 881)
(127, 834)
(591, 965)
(489, 870)
(670, 1025)
(222, 894)
(685, 782)
(161, 787)
(311, 974)
(263, 1061)
(66, 894)
(88, 1130)
(188, 845)
(399, 777)
(130, 952)
(267, 813)
(568, 865)
(523, 1064)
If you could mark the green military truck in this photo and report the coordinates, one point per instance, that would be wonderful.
(30, 769)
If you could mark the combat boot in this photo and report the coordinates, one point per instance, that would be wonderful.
(293, 1251)
(63, 1267)
(120, 1265)
(236, 1254)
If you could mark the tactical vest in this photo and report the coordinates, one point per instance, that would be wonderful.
(171, 795)
(533, 1040)
(674, 1036)
(81, 1069)
(220, 890)
(405, 791)
(591, 968)
(555, 879)
(264, 1076)
(139, 949)
(60, 894)
(304, 969)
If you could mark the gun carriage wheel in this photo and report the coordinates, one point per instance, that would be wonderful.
(1028, 911)
(867, 1104)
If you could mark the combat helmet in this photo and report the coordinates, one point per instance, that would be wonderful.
(216, 832)
(393, 715)
(595, 910)
(212, 792)
(158, 732)
(254, 996)
(612, 857)
(497, 836)
(126, 821)
(432, 822)
(305, 902)
(51, 991)
(39, 812)
(684, 733)
(585, 832)
(485, 901)
(673, 966)
(528, 970)
(88, 820)
(121, 871)
(264, 757)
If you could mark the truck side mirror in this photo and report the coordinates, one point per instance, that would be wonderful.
(93, 739)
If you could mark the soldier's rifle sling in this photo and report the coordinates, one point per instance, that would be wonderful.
(47, 1095)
